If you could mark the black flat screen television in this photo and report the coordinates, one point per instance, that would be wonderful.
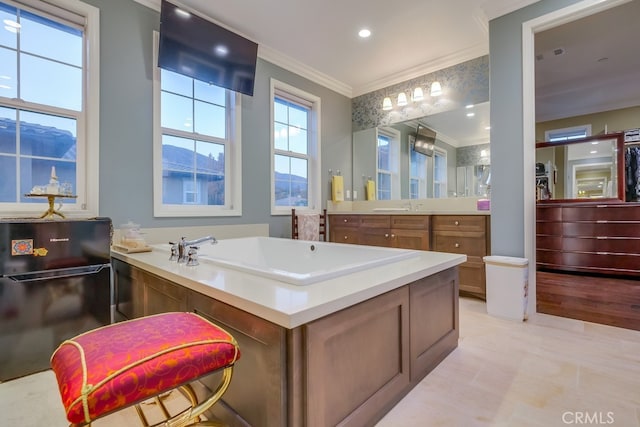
(425, 141)
(198, 48)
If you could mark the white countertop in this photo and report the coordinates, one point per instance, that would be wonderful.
(289, 305)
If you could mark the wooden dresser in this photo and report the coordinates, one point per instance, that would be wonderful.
(592, 238)
(461, 234)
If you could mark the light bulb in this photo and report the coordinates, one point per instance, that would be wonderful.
(386, 104)
(436, 89)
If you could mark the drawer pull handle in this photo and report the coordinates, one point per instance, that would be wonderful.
(386, 234)
(456, 222)
(393, 236)
(346, 237)
(457, 245)
(602, 237)
(345, 220)
(601, 221)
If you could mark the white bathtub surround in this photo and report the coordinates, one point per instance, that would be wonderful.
(298, 262)
(170, 234)
(285, 304)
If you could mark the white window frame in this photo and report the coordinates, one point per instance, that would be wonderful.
(394, 161)
(439, 152)
(233, 158)
(561, 135)
(88, 120)
(313, 149)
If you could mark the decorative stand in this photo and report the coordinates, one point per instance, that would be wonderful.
(51, 198)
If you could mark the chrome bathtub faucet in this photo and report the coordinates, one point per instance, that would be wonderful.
(180, 252)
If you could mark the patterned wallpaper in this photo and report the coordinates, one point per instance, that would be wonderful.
(472, 155)
(464, 83)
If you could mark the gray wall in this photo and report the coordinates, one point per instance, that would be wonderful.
(126, 182)
(507, 154)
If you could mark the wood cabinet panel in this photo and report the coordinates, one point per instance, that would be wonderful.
(340, 220)
(549, 213)
(599, 244)
(335, 360)
(162, 296)
(549, 228)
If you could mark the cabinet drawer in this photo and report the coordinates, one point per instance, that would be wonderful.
(548, 242)
(601, 213)
(344, 234)
(344, 220)
(375, 221)
(472, 244)
(594, 262)
(459, 223)
(410, 222)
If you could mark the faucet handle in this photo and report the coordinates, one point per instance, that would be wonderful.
(192, 255)
(174, 251)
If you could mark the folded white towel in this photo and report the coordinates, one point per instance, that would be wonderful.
(308, 226)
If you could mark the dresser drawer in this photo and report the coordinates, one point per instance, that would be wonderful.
(549, 228)
(600, 229)
(344, 221)
(459, 223)
(549, 213)
(601, 213)
(602, 244)
(472, 244)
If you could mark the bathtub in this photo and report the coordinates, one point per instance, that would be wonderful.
(298, 262)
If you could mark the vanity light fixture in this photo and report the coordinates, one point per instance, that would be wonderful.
(364, 33)
(402, 99)
(417, 94)
(436, 89)
(386, 104)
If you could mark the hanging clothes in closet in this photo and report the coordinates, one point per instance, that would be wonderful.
(632, 173)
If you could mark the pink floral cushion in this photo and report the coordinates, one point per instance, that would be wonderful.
(308, 226)
(115, 366)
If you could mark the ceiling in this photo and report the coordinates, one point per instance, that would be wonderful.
(319, 40)
(589, 65)
(409, 38)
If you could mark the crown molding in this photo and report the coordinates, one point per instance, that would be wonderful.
(479, 49)
(151, 4)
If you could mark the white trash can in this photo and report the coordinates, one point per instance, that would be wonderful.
(507, 286)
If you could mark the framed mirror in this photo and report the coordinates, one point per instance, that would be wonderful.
(581, 170)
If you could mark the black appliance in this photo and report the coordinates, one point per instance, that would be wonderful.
(55, 282)
(192, 46)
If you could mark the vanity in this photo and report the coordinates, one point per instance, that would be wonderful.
(465, 233)
(340, 351)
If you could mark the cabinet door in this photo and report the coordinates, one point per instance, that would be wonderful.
(410, 239)
(472, 277)
(374, 236)
(162, 296)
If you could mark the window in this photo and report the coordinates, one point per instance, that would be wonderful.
(439, 173)
(417, 175)
(388, 153)
(568, 134)
(197, 168)
(295, 148)
(49, 94)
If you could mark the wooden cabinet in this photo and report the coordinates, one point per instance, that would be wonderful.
(595, 238)
(348, 368)
(469, 235)
(396, 231)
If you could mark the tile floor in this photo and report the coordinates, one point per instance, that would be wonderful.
(548, 371)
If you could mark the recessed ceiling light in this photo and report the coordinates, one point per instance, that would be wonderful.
(468, 106)
(471, 114)
(593, 152)
(221, 50)
(364, 33)
(487, 128)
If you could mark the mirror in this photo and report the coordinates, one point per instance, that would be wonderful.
(582, 169)
(459, 166)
